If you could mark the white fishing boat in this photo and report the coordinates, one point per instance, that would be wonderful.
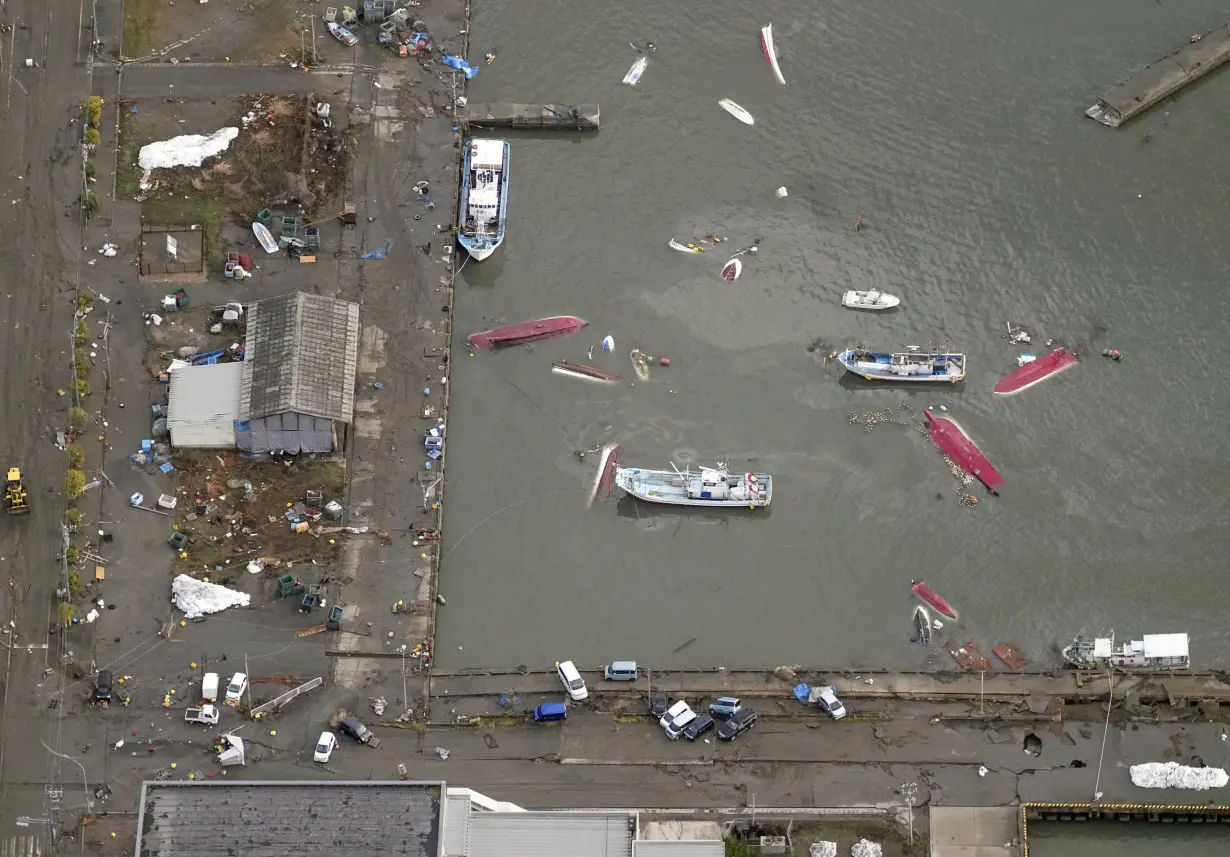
(714, 487)
(736, 111)
(873, 299)
(483, 209)
(343, 35)
(685, 248)
(265, 237)
(912, 365)
(770, 52)
(1151, 652)
(634, 74)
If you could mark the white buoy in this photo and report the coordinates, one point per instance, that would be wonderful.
(608, 344)
(781, 193)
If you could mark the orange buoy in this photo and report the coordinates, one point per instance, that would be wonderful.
(665, 361)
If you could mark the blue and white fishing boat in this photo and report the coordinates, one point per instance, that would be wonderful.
(911, 365)
(484, 197)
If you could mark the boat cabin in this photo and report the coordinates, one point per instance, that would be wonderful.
(1153, 651)
(714, 484)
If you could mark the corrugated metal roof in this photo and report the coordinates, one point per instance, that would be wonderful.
(678, 848)
(302, 352)
(456, 822)
(550, 834)
(203, 405)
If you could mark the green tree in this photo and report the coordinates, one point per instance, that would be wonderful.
(93, 110)
(67, 613)
(77, 418)
(72, 554)
(93, 137)
(85, 302)
(72, 517)
(76, 457)
(81, 333)
(74, 483)
(83, 387)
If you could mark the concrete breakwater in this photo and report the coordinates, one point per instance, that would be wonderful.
(1165, 77)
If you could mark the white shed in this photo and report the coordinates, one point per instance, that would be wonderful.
(204, 405)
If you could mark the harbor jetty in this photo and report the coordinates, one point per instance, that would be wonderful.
(530, 117)
(1165, 77)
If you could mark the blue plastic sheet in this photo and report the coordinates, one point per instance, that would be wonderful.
(801, 692)
(380, 252)
(461, 65)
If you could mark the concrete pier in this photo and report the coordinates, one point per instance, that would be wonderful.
(531, 117)
(1163, 78)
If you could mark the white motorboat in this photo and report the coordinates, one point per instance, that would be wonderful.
(633, 77)
(873, 299)
(736, 111)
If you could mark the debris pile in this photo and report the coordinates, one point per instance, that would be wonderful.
(822, 849)
(189, 150)
(1172, 775)
(199, 598)
(866, 848)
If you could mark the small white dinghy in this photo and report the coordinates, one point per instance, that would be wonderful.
(869, 300)
(732, 269)
(264, 236)
(685, 248)
(736, 111)
(634, 74)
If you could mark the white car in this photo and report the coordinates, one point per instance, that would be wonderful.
(234, 690)
(573, 683)
(324, 747)
(676, 717)
(829, 702)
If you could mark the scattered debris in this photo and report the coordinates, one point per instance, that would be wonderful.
(461, 65)
(198, 597)
(1172, 775)
(1010, 655)
(442, 753)
(968, 657)
(866, 848)
(1113, 353)
(190, 150)
(822, 849)
(109, 250)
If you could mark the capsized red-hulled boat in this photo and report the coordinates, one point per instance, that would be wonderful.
(926, 593)
(953, 442)
(527, 331)
(1035, 372)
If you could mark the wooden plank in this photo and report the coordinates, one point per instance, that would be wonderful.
(312, 631)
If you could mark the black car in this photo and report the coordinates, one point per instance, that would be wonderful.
(658, 704)
(735, 725)
(702, 724)
(102, 686)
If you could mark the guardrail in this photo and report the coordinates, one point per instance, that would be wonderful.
(278, 701)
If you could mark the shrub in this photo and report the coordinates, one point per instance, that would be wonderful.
(93, 110)
(89, 201)
(81, 334)
(73, 517)
(67, 613)
(74, 581)
(91, 172)
(83, 387)
(74, 483)
(93, 137)
(82, 371)
(77, 418)
(85, 303)
(76, 458)
(72, 555)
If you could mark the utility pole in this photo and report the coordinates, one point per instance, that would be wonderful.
(248, 689)
(909, 791)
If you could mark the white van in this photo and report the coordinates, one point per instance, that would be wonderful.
(209, 687)
(573, 683)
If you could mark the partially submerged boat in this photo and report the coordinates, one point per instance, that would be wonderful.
(640, 363)
(1151, 652)
(931, 597)
(732, 269)
(685, 248)
(871, 299)
(483, 205)
(736, 111)
(911, 365)
(1035, 372)
(527, 331)
(770, 52)
(922, 626)
(582, 370)
(713, 487)
(956, 444)
(638, 68)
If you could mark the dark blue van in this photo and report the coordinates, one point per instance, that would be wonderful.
(549, 711)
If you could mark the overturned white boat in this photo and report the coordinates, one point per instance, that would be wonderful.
(873, 299)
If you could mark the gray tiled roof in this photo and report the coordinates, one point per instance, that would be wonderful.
(302, 354)
(277, 819)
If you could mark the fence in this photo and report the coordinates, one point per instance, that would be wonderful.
(277, 702)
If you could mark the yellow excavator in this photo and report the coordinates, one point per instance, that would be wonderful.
(15, 500)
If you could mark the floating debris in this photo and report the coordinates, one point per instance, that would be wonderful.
(1010, 655)
(970, 658)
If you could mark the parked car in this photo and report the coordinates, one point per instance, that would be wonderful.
(573, 683)
(234, 690)
(724, 706)
(736, 724)
(102, 686)
(324, 747)
(676, 718)
(658, 703)
(356, 730)
(620, 671)
(699, 726)
(829, 703)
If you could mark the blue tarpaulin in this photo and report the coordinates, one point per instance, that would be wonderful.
(380, 252)
(461, 65)
(801, 692)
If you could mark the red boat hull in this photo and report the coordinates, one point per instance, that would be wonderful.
(1032, 373)
(948, 436)
(929, 595)
(527, 331)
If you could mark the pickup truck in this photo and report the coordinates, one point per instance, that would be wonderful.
(207, 714)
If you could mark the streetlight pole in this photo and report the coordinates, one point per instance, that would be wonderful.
(84, 784)
(909, 791)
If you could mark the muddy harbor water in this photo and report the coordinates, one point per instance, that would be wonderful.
(985, 196)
